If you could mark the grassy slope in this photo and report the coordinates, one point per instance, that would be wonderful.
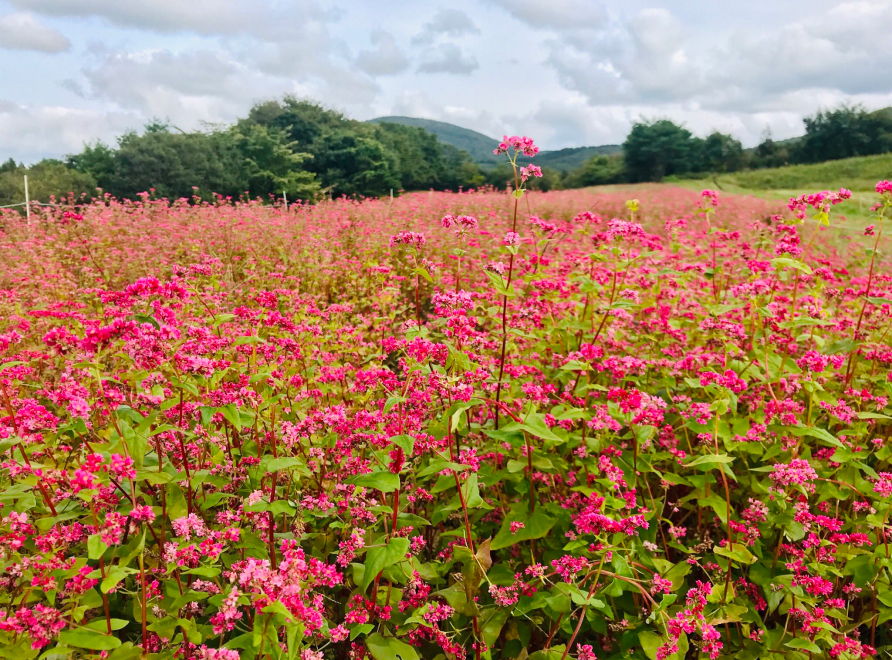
(857, 174)
(854, 173)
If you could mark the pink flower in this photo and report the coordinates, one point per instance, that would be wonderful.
(529, 172)
(797, 473)
(512, 239)
(585, 652)
(520, 145)
(410, 239)
(710, 197)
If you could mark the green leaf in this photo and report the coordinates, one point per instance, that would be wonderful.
(709, 461)
(84, 638)
(718, 505)
(95, 546)
(535, 425)
(804, 644)
(780, 263)
(404, 442)
(283, 463)
(738, 554)
(534, 527)
(380, 557)
(389, 648)
(114, 575)
(386, 482)
(231, 414)
(101, 625)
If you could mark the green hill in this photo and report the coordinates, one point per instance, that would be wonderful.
(478, 145)
(572, 157)
(481, 146)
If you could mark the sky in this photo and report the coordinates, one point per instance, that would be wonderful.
(565, 72)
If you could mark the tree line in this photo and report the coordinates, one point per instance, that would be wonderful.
(660, 148)
(307, 151)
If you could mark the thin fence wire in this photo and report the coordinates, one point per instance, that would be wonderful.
(9, 206)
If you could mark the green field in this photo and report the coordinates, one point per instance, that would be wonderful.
(859, 175)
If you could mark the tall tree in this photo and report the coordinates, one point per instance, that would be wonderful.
(657, 149)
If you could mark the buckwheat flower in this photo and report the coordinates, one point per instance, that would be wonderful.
(462, 223)
(208, 653)
(868, 230)
(678, 532)
(618, 228)
(512, 239)
(516, 526)
(661, 585)
(529, 172)
(631, 294)
(496, 267)
(884, 187)
(543, 225)
(585, 652)
(310, 654)
(710, 197)
(142, 513)
(410, 239)
(797, 473)
(883, 485)
(83, 480)
(522, 145)
(122, 467)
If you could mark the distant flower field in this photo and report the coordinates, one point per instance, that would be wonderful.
(447, 425)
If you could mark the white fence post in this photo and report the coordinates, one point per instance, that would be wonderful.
(27, 201)
(285, 197)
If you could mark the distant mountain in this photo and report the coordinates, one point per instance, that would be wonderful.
(477, 144)
(481, 146)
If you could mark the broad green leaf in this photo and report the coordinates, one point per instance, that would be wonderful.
(709, 461)
(389, 648)
(84, 638)
(95, 546)
(738, 554)
(535, 526)
(386, 482)
(378, 558)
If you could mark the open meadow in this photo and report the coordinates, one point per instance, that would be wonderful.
(628, 422)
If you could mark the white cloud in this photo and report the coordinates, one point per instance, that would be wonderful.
(447, 58)
(264, 18)
(386, 59)
(165, 85)
(446, 23)
(654, 58)
(30, 133)
(24, 32)
(568, 72)
(560, 14)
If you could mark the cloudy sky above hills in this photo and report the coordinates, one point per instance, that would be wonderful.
(567, 72)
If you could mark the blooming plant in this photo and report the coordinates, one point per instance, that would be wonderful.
(447, 426)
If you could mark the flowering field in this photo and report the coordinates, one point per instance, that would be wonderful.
(448, 425)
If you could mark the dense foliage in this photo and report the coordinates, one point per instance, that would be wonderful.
(295, 148)
(660, 148)
(305, 151)
(544, 426)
